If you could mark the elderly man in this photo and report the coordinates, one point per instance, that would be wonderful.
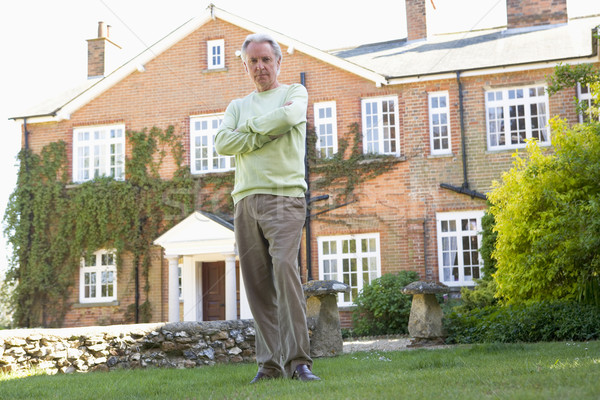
(265, 131)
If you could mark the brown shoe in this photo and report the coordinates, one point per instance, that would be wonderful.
(261, 376)
(302, 373)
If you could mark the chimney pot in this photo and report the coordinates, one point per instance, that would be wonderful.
(102, 30)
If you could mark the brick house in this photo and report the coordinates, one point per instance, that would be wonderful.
(449, 110)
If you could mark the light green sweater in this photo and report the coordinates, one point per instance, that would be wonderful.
(263, 164)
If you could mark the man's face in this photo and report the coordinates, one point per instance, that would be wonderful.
(262, 66)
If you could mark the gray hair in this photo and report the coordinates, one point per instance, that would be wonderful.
(262, 38)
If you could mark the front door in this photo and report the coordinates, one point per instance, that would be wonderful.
(213, 291)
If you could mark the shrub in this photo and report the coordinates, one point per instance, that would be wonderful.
(381, 307)
(534, 322)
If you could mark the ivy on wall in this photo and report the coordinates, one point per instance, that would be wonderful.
(342, 173)
(51, 225)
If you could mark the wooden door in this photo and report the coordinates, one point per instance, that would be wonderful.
(213, 291)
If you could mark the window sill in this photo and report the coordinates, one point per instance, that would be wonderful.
(97, 304)
(447, 155)
(210, 70)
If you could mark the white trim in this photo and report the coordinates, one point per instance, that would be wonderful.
(376, 120)
(332, 120)
(210, 57)
(333, 261)
(454, 248)
(95, 273)
(499, 108)
(441, 112)
(92, 152)
(206, 137)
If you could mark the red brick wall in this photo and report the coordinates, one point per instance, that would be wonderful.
(400, 205)
(416, 19)
(525, 13)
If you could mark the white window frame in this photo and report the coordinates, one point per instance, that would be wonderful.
(455, 261)
(439, 123)
(98, 151)
(98, 278)
(520, 101)
(326, 128)
(380, 135)
(334, 264)
(584, 93)
(215, 54)
(203, 156)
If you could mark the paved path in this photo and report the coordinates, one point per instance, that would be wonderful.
(382, 344)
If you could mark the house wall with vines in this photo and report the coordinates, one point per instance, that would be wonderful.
(397, 198)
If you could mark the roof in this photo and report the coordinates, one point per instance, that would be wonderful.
(199, 233)
(480, 50)
(393, 62)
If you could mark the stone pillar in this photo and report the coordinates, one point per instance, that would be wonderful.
(230, 288)
(173, 288)
(425, 321)
(323, 317)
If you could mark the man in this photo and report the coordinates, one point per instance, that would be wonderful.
(265, 131)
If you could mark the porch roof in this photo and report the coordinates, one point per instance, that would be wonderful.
(199, 233)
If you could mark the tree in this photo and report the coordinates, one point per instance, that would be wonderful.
(547, 210)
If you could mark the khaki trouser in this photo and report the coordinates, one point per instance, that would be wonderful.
(268, 230)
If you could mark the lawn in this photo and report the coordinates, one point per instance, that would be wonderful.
(489, 371)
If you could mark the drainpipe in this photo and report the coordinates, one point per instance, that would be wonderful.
(462, 131)
(307, 197)
(464, 189)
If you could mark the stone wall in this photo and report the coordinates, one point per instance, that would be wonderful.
(171, 345)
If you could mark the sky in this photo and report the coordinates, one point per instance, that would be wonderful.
(44, 49)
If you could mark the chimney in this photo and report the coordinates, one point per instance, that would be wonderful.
(527, 13)
(416, 19)
(100, 52)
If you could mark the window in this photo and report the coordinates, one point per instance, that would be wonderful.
(326, 129)
(439, 123)
(98, 151)
(216, 54)
(179, 274)
(98, 278)
(584, 94)
(459, 239)
(380, 126)
(352, 259)
(204, 158)
(515, 115)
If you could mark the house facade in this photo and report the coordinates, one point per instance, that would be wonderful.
(440, 116)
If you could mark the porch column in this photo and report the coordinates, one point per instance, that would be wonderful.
(173, 288)
(230, 288)
(190, 282)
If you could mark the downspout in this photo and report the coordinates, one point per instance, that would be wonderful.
(464, 189)
(462, 131)
(307, 197)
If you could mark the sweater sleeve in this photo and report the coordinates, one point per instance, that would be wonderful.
(229, 141)
(282, 119)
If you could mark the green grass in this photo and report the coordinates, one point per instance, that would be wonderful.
(489, 371)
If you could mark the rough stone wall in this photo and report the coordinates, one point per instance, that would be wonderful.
(168, 345)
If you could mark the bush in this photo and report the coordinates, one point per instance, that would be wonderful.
(381, 308)
(535, 322)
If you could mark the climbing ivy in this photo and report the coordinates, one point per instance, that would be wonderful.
(343, 172)
(51, 224)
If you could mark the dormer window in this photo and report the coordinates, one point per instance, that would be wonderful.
(215, 54)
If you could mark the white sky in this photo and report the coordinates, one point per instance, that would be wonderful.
(44, 49)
